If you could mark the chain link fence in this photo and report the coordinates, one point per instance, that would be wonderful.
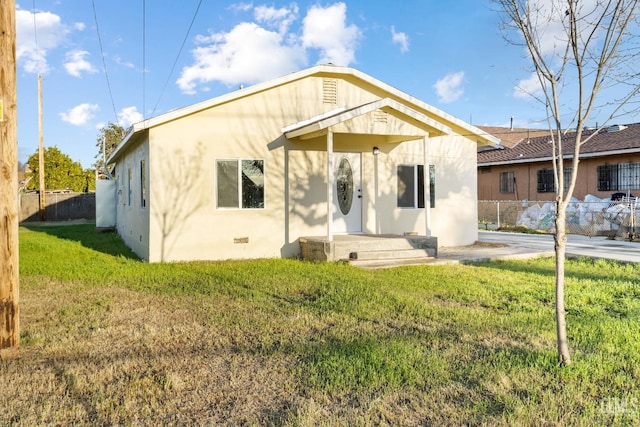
(592, 217)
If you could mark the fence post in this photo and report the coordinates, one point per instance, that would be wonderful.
(498, 209)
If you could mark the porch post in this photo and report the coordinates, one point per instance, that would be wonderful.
(427, 186)
(330, 185)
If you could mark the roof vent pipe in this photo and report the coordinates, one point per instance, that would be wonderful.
(616, 128)
(511, 126)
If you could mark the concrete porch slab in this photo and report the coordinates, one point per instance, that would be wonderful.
(362, 246)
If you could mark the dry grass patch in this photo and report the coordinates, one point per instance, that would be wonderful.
(135, 358)
(108, 340)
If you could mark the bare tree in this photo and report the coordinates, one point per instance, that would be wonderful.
(585, 58)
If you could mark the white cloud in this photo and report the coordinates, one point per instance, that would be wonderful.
(80, 26)
(128, 116)
(277, 18)
(400, 38)
(51, 32)
(80, 114)
(528, 88)
(449, 87)
(246, 54)
(547, 18)
(551, 31)
(252, 52)
(76, 63)
(123, 63)
(240, 7)
(325, 28)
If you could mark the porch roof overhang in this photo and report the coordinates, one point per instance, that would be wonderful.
(320, 125)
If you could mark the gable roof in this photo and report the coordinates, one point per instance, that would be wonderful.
(481, 137)
(606, 142)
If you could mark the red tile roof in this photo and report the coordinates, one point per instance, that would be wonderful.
(604, 142)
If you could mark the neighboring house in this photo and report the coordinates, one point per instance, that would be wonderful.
(321, 152)
(510, 136)
(609, 163)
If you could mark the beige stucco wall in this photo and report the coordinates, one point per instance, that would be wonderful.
(183, 222)
(132, 219)
(455, 218)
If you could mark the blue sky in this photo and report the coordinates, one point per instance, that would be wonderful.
(451, 55)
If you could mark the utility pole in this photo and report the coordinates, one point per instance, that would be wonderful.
(9, 289)
(43, 215)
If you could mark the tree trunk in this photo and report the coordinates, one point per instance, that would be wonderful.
(9, 313)
(560, 248)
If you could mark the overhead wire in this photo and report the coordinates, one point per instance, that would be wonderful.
(104, 64)
(35, 29)
(175, 62)
(144, 58)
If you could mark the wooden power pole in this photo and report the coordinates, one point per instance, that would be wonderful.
(9, 312)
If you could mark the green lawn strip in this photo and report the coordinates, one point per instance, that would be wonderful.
(477, 341)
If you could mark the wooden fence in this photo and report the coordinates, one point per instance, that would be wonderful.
(59, 206)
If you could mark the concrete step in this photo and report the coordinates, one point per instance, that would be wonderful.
(379, 246)
(390, 243)
(386, 254)
(389, 263)
(374, 244)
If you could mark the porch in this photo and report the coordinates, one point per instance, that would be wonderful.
(370, 248)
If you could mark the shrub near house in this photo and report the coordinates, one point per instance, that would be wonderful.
(60, 173)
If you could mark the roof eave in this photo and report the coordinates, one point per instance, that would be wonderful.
(567, 156)
(133, 129)
(485, 138)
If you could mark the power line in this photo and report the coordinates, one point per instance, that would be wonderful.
(175, 62)
(104, 64)
(35, 28)
(144, 58)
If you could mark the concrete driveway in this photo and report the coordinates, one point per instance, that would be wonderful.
(499, 245)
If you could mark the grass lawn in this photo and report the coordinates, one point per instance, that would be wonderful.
(109, 340)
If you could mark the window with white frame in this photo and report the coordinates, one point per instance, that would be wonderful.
(129, 186)
(143, 184)
(240, 184)
(410, 183)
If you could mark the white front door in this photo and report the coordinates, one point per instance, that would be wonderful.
(347, 193)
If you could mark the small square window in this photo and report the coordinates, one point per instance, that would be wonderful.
(507, 182)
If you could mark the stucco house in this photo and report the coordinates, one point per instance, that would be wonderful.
(327, 151)
(609, 163)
